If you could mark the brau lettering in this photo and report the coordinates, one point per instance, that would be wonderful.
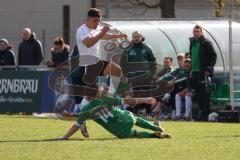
(23, 86)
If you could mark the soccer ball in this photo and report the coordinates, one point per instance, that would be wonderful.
(213, 117)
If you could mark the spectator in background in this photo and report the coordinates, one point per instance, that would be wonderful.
(30, 49)
(140, 53)
(7, 57)
(175, 75)
(168, 67)
(180, 59)
(162, 75)
(172, 77)
(183, 86)
(60, 53)
(203, 57)
(187, 55)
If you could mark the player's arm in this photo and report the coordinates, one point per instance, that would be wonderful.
(112, 36)
(74, 128)
(70, 132)
(135, 101)
(90, 41)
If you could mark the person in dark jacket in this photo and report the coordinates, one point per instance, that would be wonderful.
(7, 57)
(203, 57)
(30, 49)
(141, 55)
(60, 53)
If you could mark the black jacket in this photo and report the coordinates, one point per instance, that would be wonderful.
(60, 57)
(7, 57)
(30, 52)
(208, 55)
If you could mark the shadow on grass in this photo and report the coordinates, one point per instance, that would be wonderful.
(223, 136)
(56, 140)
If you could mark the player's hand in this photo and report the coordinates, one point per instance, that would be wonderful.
(50, 63)
(170, 85)
(206, 74)
(123, 36)
(149, 100)
(105, 29)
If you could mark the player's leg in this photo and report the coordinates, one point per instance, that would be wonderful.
(188, 104)
(144, 134)
(140, 122)
(74, 128)
(115, 73)
(178, 102)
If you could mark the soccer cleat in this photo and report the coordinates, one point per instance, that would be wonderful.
(157, 123)
(84, 130)
(159, 134)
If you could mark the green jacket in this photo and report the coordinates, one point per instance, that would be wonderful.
(140, 53)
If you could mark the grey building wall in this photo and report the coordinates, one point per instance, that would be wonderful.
(41, 16)
(183, 9)
(45, 17)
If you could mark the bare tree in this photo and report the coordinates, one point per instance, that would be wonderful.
(167, 6)
(221, 5)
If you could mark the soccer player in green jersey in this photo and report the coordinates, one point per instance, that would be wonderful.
(118, 122)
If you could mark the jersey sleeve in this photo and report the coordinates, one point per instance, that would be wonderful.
(111, 101)
(82, 34)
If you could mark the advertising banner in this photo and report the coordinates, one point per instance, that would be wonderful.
(21, 91)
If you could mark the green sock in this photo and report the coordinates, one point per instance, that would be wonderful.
(143, 134)
(140, 122)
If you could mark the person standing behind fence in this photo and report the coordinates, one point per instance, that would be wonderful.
(60, 53)
(30, 49)
(142, 54)
(203, 57)
(7, 56)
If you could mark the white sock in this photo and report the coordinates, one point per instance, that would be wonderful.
(178, 102)
(167, 96)
(114, 82)
(188, 103)
(173, 114)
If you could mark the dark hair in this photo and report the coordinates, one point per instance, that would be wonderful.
(186, 54)
(59, 41)
(198, 27)
(169, 58)
(187, 61)
(94, 12)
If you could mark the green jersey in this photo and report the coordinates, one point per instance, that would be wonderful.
(195, 56)
(140, 53)
(181, 78)
(116, 121)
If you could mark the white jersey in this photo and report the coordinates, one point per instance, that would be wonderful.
(82, 33)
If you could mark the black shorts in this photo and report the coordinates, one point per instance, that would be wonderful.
(83, 75)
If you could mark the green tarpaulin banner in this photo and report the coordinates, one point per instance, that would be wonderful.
(20, 91)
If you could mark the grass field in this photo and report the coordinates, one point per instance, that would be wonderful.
(28, 138)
